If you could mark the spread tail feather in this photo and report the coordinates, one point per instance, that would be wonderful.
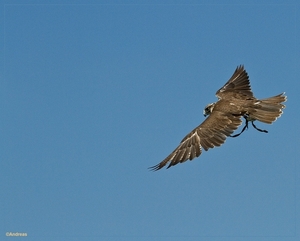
(269, 109)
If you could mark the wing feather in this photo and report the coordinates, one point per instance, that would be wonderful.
(238, 84)
(212, 132)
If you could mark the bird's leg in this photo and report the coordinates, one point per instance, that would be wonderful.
(258, 128)
(245, 127)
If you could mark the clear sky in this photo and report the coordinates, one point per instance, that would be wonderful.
(95, 92)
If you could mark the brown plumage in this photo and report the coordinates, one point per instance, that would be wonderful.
(235, 100)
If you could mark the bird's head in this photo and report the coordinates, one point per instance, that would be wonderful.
(208, 109)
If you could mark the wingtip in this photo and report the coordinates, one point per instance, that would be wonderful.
(159, 166)
(154, 168)
(240, 67)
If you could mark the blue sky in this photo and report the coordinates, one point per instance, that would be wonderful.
(95, 92)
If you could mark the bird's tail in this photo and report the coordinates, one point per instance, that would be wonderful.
(269, 109)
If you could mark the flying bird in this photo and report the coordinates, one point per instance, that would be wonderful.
(235, 101)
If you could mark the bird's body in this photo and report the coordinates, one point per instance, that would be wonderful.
(236, 100)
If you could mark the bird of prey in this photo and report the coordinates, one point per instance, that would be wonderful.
(235, 101)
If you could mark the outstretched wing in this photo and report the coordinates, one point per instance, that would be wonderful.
(238, 84)
(212, 132)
